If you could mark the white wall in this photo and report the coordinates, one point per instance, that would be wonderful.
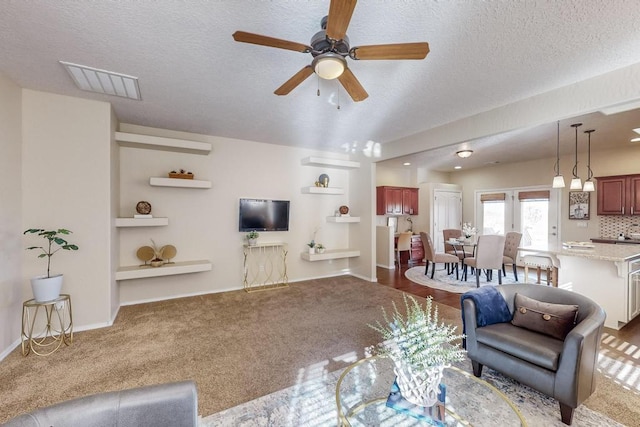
(203, 224)
(67, 184)
(11, 248)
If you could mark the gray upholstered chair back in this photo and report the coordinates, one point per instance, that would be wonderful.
(427, 242)
(450, 233)
(489, 252)
(511, 243)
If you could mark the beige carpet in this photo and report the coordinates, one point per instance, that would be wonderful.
(236, 346)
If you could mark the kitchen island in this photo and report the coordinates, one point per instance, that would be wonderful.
(608, 274)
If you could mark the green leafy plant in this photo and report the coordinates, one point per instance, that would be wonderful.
(416, 338)
(253, 234)
(319, 246)
(311, 244)
(55, 243)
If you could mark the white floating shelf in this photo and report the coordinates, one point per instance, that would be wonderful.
(177, 182)
(333, 163)
(343, 219)
(322, 190)
(185, 267)
(164, 144)
(330, 254)
(141, 222)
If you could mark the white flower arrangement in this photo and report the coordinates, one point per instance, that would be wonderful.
(416, 338)
(468, 230)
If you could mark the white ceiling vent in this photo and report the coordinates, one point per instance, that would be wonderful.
(102, 81)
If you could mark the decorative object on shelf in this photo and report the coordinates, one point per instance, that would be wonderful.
(344, 210)
(47, 287)
(181, 175)
(312, 247)
(143, 207)
(320, 248)
(410, 221)
(252, 238)
(420, 348)
(168, 252)
(145, 254)
(468, 230)
(157, 260)
(323, 181)
(579, 205)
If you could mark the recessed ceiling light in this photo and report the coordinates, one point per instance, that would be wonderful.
(102, 81)
(457, 167)
(406, 164)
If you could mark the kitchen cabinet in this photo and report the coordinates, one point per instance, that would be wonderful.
(396, 201)
(619, 195)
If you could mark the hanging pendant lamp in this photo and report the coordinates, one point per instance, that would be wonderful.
(576, 183)
(588, 184)
(558, 180)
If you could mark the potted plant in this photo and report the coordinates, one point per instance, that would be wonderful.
(47, 287)
(252, 237)
(468, 230)
(320, 248)
(420, 348)
(312, 247)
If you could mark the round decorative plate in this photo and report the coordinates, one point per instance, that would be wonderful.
(143, 208)
(146, 253)
(344, 209)
(168, 252)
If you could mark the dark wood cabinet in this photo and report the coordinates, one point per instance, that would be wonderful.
(417, 250)
(619, 195)
(396, 201)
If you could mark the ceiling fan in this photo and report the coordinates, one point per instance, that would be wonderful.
(330, 47)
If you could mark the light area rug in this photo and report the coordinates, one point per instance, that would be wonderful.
(447, 282)
(312, 403)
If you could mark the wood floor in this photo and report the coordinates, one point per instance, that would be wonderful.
(629, 335)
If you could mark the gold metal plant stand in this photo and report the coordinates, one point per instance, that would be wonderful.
(44, 336)
(265, 266)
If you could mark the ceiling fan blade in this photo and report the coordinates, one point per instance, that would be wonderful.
(391, 51)
(241, 36)
(294, 81)
(340, 12)
(353, 86)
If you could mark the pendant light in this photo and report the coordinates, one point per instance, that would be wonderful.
(588, 184)
(558, 180)
(576, 183)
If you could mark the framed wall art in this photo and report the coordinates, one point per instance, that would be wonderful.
(579, 204)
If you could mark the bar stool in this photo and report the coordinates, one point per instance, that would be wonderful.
(540, 261)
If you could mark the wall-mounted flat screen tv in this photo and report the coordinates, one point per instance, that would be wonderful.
(264, 215)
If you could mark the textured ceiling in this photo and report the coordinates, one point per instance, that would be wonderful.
(195, 78)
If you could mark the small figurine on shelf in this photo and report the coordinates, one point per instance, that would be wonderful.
(181, 175)
(320, 248)
(252, 237)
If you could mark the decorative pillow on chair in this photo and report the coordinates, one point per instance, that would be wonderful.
(555, 320)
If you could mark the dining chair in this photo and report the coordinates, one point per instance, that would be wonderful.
(452, 233)
(403, 245)
(510, 254)
(430, 256)
(488, 257)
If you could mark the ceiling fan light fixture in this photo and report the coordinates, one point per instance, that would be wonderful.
(329, 65)
(463, 154)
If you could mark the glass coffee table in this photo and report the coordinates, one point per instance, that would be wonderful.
(363, 388)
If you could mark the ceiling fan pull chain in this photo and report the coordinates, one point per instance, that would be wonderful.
(318, 79)
(338, 87)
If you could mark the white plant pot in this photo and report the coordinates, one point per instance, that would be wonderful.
(46, 288)
(419, 388)
(320, 251)
(312, 251)
(252, 242)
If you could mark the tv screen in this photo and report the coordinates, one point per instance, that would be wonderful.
(264, 215)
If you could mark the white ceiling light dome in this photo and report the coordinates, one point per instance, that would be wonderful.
(329, 65)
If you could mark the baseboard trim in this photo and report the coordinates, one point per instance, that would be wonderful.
(192, 294)
(9, 349)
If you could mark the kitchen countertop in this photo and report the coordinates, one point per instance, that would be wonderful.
(600, 251)
(615, 240)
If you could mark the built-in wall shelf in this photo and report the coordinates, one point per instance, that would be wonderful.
(343, 219)
(141, 222)
(180, 183)
(143, 272)
(332, 163)
(160, 143)
(322, 190)
(330, 254)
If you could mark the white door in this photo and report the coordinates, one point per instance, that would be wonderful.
(447, 213)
